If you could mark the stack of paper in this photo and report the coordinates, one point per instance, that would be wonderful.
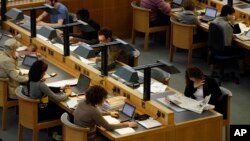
(113, 103)
(149, 123)
(126, 130)
(63, 83)
(156, 87)
(111, 120)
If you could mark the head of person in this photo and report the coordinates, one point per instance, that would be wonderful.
(95, 95)
(193, 74)
(32, 48)
(188, 5)
(51, 2)
(104, 35)
(37, 71)
(10, 46)
(82, 14)
(227, 11)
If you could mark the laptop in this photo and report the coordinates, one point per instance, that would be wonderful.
(127, 112)
(210, 14)
(176, 4)
(244, 36)
(81, 86)
(29, 60)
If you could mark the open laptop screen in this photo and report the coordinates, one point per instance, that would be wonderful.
(83, 82)
(29, 60)
(178, 2)
(248, 34)
(128, 110)
(210, 12)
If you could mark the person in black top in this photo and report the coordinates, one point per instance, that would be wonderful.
(198, 86)
(86, 35)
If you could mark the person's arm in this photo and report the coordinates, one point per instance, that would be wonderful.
(189, 90)
(55, 96)
(100, 121)
(13, 73)
(59, 23)
(163, 6)
(40, 18)
(214, 91)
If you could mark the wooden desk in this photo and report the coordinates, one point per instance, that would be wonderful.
(206, 128)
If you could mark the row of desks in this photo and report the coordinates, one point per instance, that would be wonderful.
(176, 126)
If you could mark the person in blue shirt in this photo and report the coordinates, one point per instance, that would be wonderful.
(57, 19)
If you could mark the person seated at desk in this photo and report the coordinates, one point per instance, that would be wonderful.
(188, 16)
(84, 36)
(88, 115)
(159, 11)
(105, 36)
(8, 67)
(198, 86)
(226, 21)
(37, 89)
(56, 20)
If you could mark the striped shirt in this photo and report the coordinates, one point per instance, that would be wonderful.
(155, 6)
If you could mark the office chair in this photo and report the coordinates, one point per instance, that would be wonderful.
(141, 24)
(216, 45)
(224, 107)
(160, 75)
(4, 102)
(28, 116)
(72, 132)
(182, 37)
(129, 55)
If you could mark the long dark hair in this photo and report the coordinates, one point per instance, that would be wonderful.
(194, 72)
(36, 72)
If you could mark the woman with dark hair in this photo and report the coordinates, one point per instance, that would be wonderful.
(37, 89)
(198, 86)
(88, 115)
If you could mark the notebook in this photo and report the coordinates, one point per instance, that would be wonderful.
(149, 123)
(176, 3)
(244, 36)
(210, 14)
(81, 86)
(127, 112)
(29, 60)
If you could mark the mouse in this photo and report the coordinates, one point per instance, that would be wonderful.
(53, 74)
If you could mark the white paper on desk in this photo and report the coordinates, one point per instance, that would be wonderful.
(60, 46)
(156, 87)
(170, 105)
(63, 82)
(125, 130)
(42, 37)
(72, 103)
(22, 48)
(85, 61)
(111, 120)
(24, 71)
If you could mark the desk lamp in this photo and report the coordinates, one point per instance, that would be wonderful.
(46, 7)
(147, 75)
(47, 32)
(15, 14)
(104, 49)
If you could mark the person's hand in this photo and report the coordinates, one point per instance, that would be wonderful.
(114, 114)
(67, 91)
(132, 124)
(198, 83)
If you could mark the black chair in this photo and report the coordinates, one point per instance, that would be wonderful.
(217, 53)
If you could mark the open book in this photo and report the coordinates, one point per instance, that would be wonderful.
(189, 103)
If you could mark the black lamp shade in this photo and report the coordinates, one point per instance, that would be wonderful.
(47, 32)
(85, 51)
(15, 14)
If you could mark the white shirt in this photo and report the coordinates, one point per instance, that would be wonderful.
(199, 94)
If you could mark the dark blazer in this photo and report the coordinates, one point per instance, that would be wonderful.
(210, 87)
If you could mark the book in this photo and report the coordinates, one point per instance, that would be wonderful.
(189, 103)
(125, 130)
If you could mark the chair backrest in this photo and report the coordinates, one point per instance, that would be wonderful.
(140, 17)
(181, 34)
(72, 132)
(128, 55)
(216, 41)
(224, 103)
(28, 109)
(3, 91)
(160, 75)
